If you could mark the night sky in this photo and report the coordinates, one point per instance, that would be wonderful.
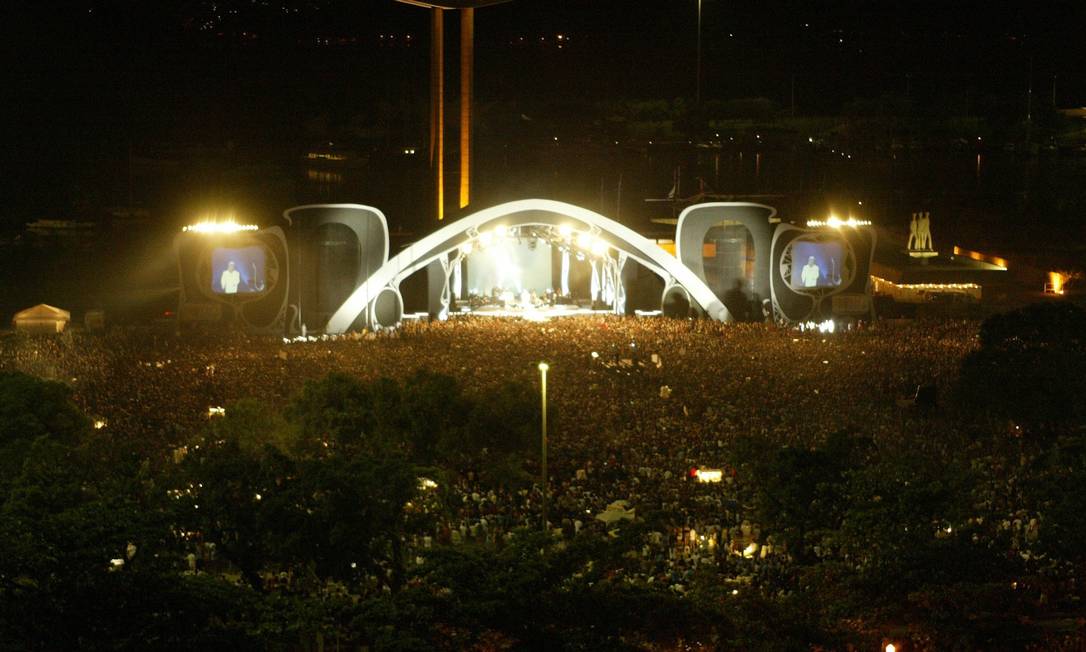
(92, 78)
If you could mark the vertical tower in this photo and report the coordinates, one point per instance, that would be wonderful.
(467, 66)
(437, 107)
(466, 9)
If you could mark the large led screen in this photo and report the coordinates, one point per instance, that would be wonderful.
(816, 265)
(238, 270)
(510, 265)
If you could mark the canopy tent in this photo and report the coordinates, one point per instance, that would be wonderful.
(617, 511)
(41, 318)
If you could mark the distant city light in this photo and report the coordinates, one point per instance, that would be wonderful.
(1056, 283)
(984, 258)
(211, 227)
(927, 286)
(99, 424)
(324, 156)
(215, 411)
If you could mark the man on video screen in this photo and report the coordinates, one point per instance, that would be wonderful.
(230, 279)
(811, 273)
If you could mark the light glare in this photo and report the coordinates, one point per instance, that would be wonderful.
(210, 227)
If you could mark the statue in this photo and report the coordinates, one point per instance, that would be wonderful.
(925, 233)
(920, 243)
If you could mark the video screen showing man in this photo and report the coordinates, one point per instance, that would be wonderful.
(237, 270)
(816, 265)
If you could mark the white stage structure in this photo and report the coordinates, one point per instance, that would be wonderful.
(379, 304)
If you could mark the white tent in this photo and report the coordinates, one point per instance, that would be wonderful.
(41, 318)
(617, 511)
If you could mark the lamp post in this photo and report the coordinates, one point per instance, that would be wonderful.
(543, 367)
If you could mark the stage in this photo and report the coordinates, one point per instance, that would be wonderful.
(536, 313)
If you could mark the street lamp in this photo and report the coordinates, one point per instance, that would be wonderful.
(543, 367)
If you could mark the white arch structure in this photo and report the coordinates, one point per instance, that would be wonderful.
(383, 285)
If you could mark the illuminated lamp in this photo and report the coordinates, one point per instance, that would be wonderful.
(485, 238)
(584, 240)
(565, 230)
(467, 247)
(501, 230)
(599, 248)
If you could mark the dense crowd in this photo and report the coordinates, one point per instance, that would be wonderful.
(636, 404)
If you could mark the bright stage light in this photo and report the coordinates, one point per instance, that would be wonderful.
(210, 227)
(836, 222)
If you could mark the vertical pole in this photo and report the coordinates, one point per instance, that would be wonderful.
(543, 372)
(1029, 103)
(467, 66)
(698, 91)
(437, 107)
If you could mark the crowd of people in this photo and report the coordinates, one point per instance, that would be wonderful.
(636, 405)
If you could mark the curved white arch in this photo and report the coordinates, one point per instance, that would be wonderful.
(451, 236)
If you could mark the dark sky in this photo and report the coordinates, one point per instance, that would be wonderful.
(124, 54)
(89, 78)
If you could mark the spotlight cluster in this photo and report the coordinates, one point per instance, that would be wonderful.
(210, 227)
(835, 222)
(564, 237)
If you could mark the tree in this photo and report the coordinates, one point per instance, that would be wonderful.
(802, 493)
(335, 411)
(1029, 368)
(31, 409)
